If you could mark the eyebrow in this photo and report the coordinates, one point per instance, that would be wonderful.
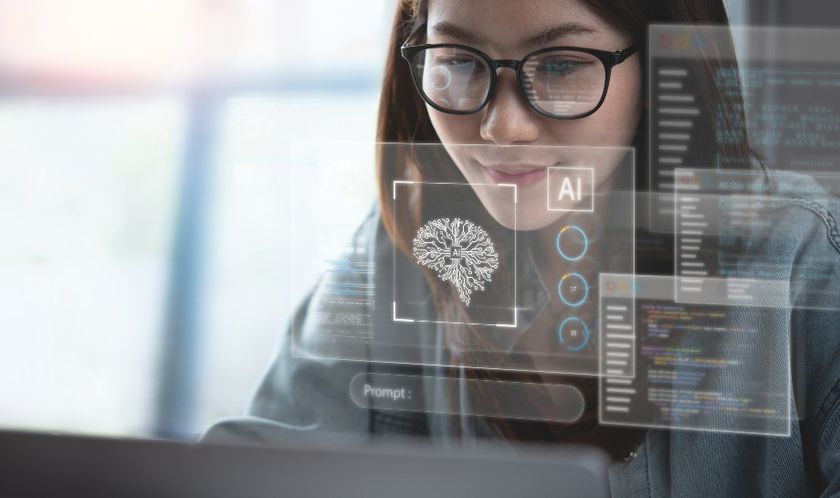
(549, 34)
(560, 31)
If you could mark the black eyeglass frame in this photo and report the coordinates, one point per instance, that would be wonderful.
(607, 58)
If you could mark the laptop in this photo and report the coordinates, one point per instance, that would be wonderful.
(45, 465)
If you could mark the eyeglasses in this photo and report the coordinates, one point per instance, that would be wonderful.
(558, 82)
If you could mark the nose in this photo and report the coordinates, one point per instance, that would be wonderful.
(508, 119)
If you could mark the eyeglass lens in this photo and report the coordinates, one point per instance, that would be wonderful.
(558, 82)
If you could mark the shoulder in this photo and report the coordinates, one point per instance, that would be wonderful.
(804, 228)
(811, 219)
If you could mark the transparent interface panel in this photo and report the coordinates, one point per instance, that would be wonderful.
(699, 366)
(457, 250)
(721, 97)
(476, 255)
(722, 221)
(617, 320)
(486, 398)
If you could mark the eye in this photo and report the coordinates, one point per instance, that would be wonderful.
(461, 63)
(559, 66)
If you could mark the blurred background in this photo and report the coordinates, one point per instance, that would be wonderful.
(144, 146)
(144, 155)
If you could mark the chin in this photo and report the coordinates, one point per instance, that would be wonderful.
(524, 223)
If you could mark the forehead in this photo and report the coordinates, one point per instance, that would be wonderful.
(517, 24)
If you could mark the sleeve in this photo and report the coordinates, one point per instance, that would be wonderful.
(824, 398)
(815, 321)
(299, 398)
(307, 396)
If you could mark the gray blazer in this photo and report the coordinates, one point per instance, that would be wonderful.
(308, 398)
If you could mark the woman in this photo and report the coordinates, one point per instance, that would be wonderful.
(438, 89)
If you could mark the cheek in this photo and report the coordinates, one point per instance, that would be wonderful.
(454, 128)
(458, 129)
(616, 121)
(626, 106)
(623, 105)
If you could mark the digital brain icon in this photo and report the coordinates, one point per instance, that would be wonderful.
(459, 251)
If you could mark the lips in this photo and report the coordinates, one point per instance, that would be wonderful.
(518, 174)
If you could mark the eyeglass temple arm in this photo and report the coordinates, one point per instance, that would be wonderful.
(622, 55)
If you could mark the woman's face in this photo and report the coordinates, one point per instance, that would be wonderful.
(505, 29)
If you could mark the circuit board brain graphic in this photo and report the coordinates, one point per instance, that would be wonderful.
(459, 252)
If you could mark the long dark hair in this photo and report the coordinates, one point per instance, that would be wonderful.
(403, 118)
